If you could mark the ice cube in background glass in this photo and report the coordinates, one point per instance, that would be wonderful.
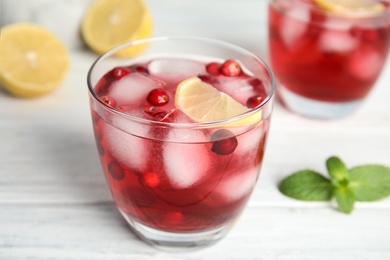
(365, 64)
(337, 41)
(131, 89)
(186, 164)
(175, 70)
(294, 25)
(127, 149)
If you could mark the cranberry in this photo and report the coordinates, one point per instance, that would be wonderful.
(213, 68)
(254, 101)
(224, 142)
(120, 72)
(115, 170)
(172, 218)
(109, 101)
(231, 68)
(150, 179)
(141, 69)
(101, 86)
(158, 97)
(208, 79)
(149, 109)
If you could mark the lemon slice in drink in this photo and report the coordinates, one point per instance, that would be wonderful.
(204, 103)
(359, 8)
(109, 23)
(33, 61)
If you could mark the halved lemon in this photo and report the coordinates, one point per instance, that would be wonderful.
(359, 8)
(33, 61)
(109, 23)
(204, 103)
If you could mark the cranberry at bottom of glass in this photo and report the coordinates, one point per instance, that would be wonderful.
(179, 184)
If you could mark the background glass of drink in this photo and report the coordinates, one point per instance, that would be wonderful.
(326, 62)
(178, 183)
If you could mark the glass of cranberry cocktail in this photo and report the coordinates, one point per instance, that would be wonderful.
(327, 54)
(181, 131)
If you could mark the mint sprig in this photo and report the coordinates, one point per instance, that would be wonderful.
(361, 183)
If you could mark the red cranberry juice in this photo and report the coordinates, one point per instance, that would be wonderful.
(322, 57)
(178, 180)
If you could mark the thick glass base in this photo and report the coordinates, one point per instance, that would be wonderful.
(177, 242)
(316, 108)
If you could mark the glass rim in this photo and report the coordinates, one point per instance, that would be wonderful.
(339, 15)
(211, 124)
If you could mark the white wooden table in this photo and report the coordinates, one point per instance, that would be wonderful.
(54, 203)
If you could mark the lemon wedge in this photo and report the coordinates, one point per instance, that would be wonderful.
(33, 61)
(358, 8)
(203, 103)
(109, 23)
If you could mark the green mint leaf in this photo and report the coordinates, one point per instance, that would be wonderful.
(345, 199)
(336, 169)
(370, 182)
(307, 185)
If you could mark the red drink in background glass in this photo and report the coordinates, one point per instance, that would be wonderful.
(177, 182)
(326, 63)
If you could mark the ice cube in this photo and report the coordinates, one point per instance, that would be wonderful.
(294, 25)
(249, 142)
(132, 126)
(175, 70)
(235, 187)
(186, 163)
(366, 63)
(237, 87)
(335, 41)
(131, 89)
(127, 149)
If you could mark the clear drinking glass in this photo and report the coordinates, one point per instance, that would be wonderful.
(177, 182)
(326, 62)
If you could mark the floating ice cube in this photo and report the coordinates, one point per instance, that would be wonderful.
(294, 24)
(335, 41)
(365, 64)
(131, 89)
(127, 149)
(236, 87)
(237, 186)
(186, 164)
(175, 70)
(133, 127)
(250, 141)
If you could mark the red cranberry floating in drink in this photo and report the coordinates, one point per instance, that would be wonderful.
(208, 79)
(115, 170)
(213, 68)
(141, 69)
(231, 68)
(158, 97)
(120, 72)
(225, 142)
(254, 101)
(150, 179)
(108, 101)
